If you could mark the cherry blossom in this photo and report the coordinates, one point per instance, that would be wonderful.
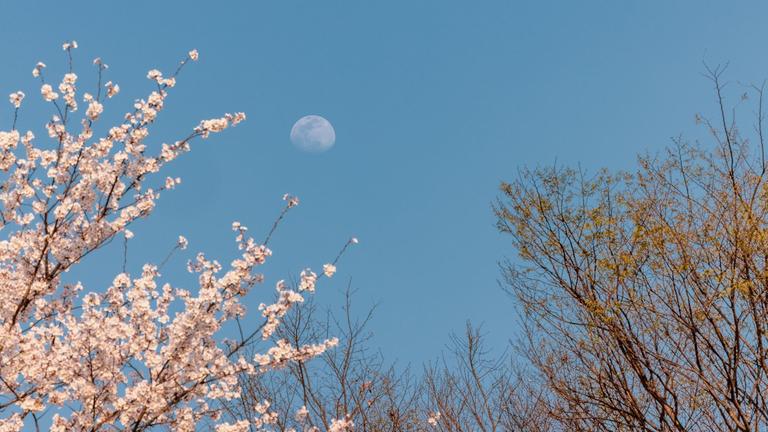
(16, 98)
(433, 418)
(140, 353)
(308, 280)
(112, 89)
(48, 94)
(38, 68)
(301, 414)
(292, 200)
(66, 46)
(94, 110)
(341, 425)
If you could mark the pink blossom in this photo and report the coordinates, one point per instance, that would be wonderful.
(329, 270)
(147, 351)
(16, 98)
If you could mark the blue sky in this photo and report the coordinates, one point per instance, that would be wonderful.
(433, 103)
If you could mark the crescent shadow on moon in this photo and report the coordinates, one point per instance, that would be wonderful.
(313, 134)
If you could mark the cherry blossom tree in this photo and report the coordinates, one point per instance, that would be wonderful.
(139, 354)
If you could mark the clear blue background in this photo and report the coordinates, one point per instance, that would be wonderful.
(434, 102)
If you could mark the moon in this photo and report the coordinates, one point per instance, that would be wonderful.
(313, 134)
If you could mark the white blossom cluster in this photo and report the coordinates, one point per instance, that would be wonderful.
(15, 98)
(433, 418)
